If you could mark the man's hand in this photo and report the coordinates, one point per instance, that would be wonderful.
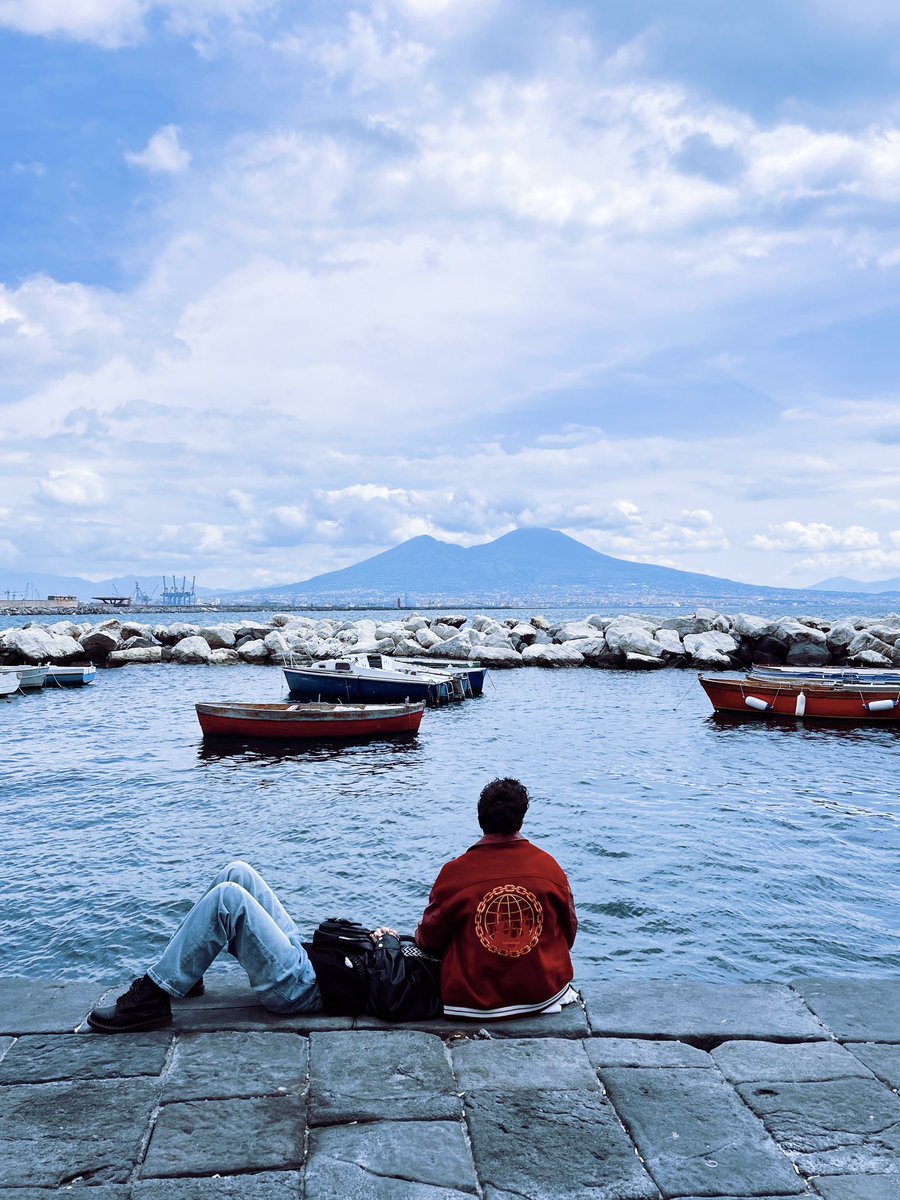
(377, 934)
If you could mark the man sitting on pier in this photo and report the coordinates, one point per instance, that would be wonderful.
(501, 917)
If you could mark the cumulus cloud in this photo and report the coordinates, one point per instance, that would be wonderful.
(76, 487)
(113, 24)
(163, 154)
(794, 535)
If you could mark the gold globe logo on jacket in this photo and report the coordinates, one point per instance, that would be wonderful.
(509, 920)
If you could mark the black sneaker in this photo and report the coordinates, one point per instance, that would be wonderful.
(143, 1006)
(197, 990)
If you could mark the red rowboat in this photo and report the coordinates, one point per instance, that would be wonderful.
(308, 720)
(804, 698)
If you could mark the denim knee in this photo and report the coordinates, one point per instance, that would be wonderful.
(236, 872)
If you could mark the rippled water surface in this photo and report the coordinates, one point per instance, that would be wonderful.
(696, 846)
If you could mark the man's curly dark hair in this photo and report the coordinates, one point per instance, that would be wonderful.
(502, 806)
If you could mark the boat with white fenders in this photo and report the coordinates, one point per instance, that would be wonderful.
(828, 699)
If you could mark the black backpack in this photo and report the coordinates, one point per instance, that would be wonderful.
(391, 979)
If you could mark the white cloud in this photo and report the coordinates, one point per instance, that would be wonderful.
(109, 23)
(76, 487)
(794, 535)
(113, 24)
(163, 154)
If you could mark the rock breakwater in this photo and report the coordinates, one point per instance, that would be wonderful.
(704, 639)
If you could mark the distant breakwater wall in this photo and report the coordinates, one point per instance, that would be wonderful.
(705, 639)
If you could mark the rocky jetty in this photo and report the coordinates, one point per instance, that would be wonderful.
(704, 639)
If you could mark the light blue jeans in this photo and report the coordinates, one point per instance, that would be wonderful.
(240, 912)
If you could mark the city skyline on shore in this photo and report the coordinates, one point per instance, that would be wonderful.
(281, 289)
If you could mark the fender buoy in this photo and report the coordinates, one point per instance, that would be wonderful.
(800, 706)
(757, 703)
(881, 705)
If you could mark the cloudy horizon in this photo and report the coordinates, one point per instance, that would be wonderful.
(284, 285)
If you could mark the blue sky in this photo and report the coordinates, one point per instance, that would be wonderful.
(283, 284)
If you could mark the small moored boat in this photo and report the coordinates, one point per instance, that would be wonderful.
(69, 676)
(8, 684)
(29, 677)
(308, 721)
(824, 699)
(364, 678)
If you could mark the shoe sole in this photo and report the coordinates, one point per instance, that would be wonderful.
(137, 1027)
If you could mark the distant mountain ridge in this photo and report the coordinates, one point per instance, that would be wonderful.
(525, 563)
(840, 583)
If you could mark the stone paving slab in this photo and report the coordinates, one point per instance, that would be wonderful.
(775, 1062)
(883, 1061)
(858, 1187)
(699, 1012)
(694, 1134)
(268, 1185)
(364, 1076)
(553, 1146)
(208, 1066)
(834, 1127)
(856, 1010)
(515, 1063)
(229, 1004)
(43, 1058)
(44, 1005)
(221, 1137)
(344, 1158)
(639, 1052)
(53, 1132)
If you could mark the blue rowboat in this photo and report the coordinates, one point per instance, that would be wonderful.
(69, 676)
(367, 678)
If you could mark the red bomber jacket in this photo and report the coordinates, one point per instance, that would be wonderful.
(503, 918)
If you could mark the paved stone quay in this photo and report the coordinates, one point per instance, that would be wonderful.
(644, 1090)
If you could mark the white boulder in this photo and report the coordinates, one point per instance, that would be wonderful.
(497, 656)
(747, 626)
(426, 638)
(36, 644)
(277, 644)
(219, 637)
(100, 642)
(552, 656)
(628, 635)
(136, 656)
(710, 649)
(670, 641)
(254, 651)
(223, 656)
(193, 649)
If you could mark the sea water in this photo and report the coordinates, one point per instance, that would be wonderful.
(696, 846)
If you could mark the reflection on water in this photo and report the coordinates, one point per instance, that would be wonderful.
(240, 751)
(696, 845)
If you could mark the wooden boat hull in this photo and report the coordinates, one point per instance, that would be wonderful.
(307, 722)
(773, 698)
(69, 676)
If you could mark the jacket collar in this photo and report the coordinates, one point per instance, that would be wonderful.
(499, 839)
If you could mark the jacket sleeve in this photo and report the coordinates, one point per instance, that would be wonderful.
(435, 930)
(569, 918)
